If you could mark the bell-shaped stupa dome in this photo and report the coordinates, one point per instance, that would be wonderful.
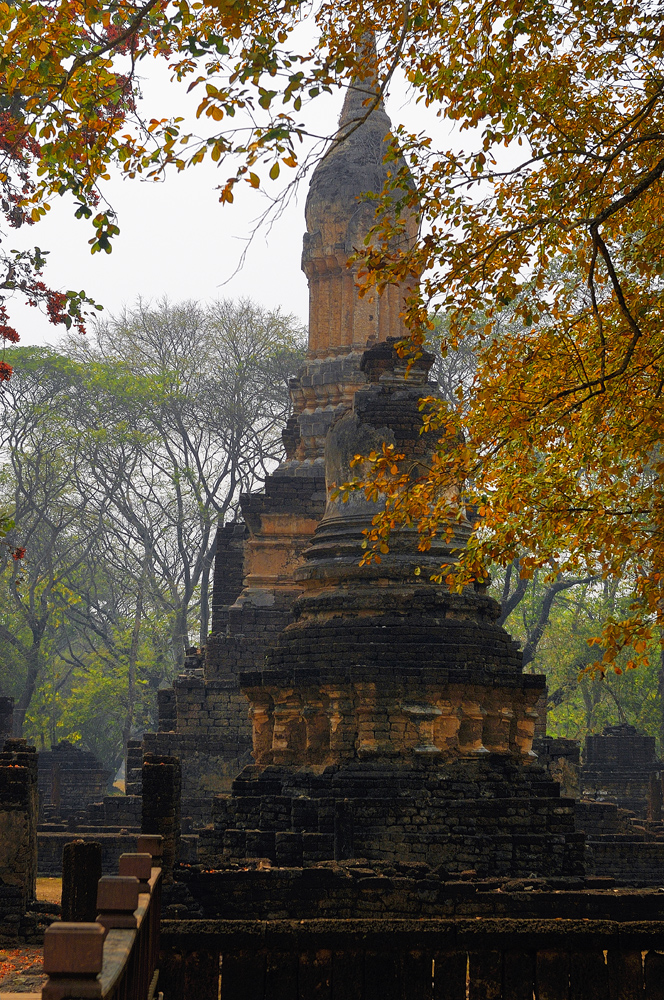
(338, 216)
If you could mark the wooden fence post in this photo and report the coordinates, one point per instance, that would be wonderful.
(153, 844)
(73, 958)
(117, 899)
(138, 865)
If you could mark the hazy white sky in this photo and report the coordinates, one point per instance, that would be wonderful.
(176, 239)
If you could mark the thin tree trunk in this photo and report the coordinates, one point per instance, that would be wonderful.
(621, 712)
(205, 605)
(180, 635)
(131, 669)
(32, 661)
(510, 601)
(205, 593)
(537, 631)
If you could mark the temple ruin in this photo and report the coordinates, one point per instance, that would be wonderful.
(388, 718)
(351, 786)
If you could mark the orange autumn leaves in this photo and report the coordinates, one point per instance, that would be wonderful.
(542, 229)
(544, 236)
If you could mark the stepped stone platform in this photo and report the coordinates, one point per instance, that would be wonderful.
(491, 816)
(403, 889)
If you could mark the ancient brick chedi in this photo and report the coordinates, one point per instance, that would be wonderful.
(341, 323)
(390, 718)
(378, 662)
(203, 719)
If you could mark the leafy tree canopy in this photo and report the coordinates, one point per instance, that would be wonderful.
(119, 457)
(543, 217)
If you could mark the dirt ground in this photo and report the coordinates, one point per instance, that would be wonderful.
(21, 970)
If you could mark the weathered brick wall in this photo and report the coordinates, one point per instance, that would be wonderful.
(214, 708)
(116, 810)
(166, 710)
(251, 630)
(250, 611)
(494, 817)
(209, 765)
(134, 764)
(228, 572)
(205, 724)
(302, 493)
(541, 708)
(632, 860)
(562, 758)
(50, 845)
(70, 779)
(656, 797)
(600, 819)
(617, 766)
(620, 844)
(386, 890)
(161, 805)
(18, 834)
(621, 745)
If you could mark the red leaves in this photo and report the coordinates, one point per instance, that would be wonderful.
(9, 333)
(55, 305)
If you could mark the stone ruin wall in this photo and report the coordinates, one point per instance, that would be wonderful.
(22, 919)
(617, 767)
(70, 779)
(486, 816)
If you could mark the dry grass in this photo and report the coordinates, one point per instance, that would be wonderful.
(49, 889)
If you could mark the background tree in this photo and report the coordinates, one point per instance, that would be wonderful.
(41, 486)
(192, 402)
(122, 456)
(582, 700)
(542, 599)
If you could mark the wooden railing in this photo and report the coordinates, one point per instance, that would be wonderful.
(431, 959)
(114, 958)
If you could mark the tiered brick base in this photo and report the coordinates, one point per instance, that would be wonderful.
(494, 816)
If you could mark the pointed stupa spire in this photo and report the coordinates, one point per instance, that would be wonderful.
(363, 98)
(338, 219)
